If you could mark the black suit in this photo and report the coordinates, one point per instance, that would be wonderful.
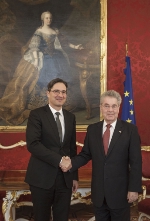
(46, 151)
(111, 176)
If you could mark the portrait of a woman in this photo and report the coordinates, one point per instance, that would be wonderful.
(43, 58)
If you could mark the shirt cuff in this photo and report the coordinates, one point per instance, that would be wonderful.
(61, 160)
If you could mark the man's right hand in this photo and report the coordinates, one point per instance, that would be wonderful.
(65, 164)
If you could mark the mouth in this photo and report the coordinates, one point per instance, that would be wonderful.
(59, 100)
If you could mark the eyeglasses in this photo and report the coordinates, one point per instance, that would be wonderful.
(57, 92)
(107, 107)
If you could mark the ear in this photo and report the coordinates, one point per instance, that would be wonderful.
(100, 106)
(47, 93)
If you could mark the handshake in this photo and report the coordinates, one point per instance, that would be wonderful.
(65, 164)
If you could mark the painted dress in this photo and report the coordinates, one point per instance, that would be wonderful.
(27, 89)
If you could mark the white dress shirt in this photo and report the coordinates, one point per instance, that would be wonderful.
(112, 128)
(61, 117)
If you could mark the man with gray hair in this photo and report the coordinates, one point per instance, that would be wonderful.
(113, 146)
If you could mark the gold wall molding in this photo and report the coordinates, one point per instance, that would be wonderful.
(33, 2)
(103, 46)
(23, 143)
(20, 143)
(146, 148)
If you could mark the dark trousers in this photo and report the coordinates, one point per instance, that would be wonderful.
(57, 198)
(104, 213)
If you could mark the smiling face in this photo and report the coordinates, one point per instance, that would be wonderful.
(47, 18)
(109, 109)
(57, 99)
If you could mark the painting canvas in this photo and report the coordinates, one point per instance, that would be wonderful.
(75, 53)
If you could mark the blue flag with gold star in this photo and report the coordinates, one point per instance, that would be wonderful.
(128, 113)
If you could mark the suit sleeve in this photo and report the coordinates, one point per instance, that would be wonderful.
(135, 161)
(34, 144)
(83, 157)
(73, 148)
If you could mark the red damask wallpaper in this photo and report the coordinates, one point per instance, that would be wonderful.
(129, 21)
(18, 157)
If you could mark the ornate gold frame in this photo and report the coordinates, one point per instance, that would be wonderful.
(103, 57)
(103, 64)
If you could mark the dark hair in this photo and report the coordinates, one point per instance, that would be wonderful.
(54, 81)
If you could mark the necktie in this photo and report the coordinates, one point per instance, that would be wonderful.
(59, 126)
(106, 136)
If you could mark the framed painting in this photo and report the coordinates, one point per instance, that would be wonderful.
(76, 51)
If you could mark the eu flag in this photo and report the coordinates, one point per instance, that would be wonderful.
(128, 113)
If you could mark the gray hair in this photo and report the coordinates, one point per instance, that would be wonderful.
(111, 93)
(43, 15)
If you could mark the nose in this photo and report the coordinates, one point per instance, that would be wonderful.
(60, 93)
(110, 108)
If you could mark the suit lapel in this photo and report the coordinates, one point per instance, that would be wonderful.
(52, 122)
(117, 133)
(99, 136)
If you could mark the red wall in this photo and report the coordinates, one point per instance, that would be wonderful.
(129, 21)
(18, 157)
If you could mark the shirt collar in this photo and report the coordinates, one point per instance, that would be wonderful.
(54, 111)
(113, 124)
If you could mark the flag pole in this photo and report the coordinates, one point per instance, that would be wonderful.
(126, 49)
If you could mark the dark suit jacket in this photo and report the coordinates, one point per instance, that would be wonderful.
(111, 176)
(46, 151)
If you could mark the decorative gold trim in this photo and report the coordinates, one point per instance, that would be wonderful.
(33, 2)
(103, 62)
(79, 144)
(20, 143)
(12, 128)
(146, 148)
(142, 196)
(23, 203)
(78, 198)
(23, 143)
(103, 43)
(81, 128)
(9, 203)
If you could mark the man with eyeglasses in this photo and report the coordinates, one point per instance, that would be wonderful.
(50, 135)
(113, 146)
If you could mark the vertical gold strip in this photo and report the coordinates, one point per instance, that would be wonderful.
(103, 44)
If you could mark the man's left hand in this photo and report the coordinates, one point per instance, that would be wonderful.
(75, 186)
(132, 196)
